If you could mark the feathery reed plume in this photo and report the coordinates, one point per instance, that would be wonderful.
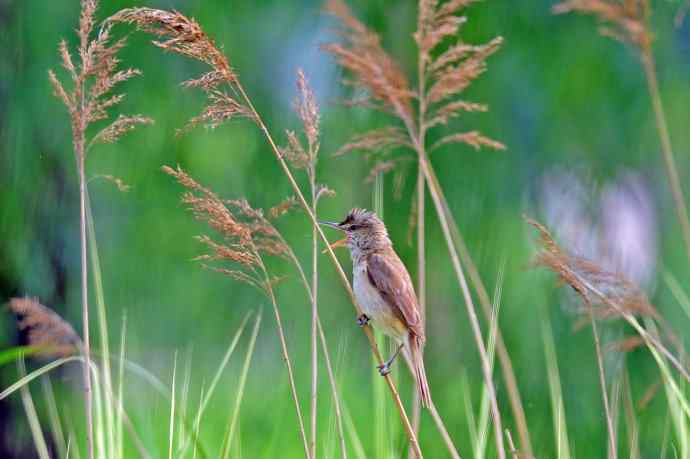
(628, 22)
(441, 81)
(181, 35)
(184, 36)
(571, 271)
(50, 334)
(93, 78)
(579, 273)
(247, 236)
(625, 21)
(608, 295)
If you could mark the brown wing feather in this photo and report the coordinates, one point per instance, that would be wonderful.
(390, 277)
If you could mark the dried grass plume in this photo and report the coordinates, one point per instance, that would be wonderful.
(50, 334)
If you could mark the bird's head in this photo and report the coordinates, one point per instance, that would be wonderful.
(364, 231)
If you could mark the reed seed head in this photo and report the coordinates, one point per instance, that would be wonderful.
(625, 21)
(594, 285)
(45, 330)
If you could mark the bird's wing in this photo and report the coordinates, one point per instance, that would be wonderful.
(389, 276)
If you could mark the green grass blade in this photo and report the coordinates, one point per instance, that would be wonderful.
(32, 416)
(560, 426)
(53, 416)
(26, 379)
(171, 435)
(240, 390)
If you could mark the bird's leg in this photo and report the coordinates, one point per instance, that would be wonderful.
(363, 320)
(385, 368)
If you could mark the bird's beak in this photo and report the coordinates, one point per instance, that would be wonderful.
(334, 225)
(336, 244)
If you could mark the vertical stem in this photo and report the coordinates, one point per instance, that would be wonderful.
(314, 319)
(85, 295)
(437, 197)
(343, 277)
(421, 260)
(604, 392)
(667, 152)
(503, 356)
(421, 285)
(440, 201)
(286, 358)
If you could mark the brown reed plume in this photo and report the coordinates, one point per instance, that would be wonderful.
(442, 78)
(608, 295)
(628, 22)
(94, 76)
(47, 332)
(246, 236)
(184, 36)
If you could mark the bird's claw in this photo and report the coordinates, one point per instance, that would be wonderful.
(363, 320)
(384, 369)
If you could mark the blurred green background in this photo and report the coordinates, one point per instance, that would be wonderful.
(561, 98)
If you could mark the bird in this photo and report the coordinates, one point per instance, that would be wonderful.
(384, 291)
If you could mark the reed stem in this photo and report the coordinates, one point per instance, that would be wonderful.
(666, 149)
(314, 319)
(88, 395)
(286, 358)
(604, 391)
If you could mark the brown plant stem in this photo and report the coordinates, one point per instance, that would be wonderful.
(437, 196)
(450, 446)
(307, 208)
(439, 200)
(286, 357)
(421, 256)
(314, 319)
(421, 286)
(88, 395)
(666, 149)
(604, 392)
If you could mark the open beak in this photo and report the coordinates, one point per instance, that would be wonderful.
(336, 244)
(334, 225)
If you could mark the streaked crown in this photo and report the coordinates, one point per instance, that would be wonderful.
(365, 230)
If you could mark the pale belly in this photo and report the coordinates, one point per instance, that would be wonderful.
(376, 309)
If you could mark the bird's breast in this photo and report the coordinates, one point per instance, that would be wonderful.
(375, 307)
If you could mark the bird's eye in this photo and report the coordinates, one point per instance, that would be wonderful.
(355, 227)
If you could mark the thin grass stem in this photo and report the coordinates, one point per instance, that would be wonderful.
(314, 319)
(286, 358)
(171, 425)
(604, 391)
(240, 390)
(53, 416)
(666, 149)
(31, 415)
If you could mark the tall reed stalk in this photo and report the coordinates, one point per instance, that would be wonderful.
(93, 78)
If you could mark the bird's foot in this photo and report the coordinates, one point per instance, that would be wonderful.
(384, 369)
(363, 320)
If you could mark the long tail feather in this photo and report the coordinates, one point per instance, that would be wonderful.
(417, 366)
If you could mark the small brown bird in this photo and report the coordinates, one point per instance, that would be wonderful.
(384, 290)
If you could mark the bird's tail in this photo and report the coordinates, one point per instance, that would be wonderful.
(417, 366)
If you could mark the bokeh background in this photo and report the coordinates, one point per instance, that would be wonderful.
(583, 156)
